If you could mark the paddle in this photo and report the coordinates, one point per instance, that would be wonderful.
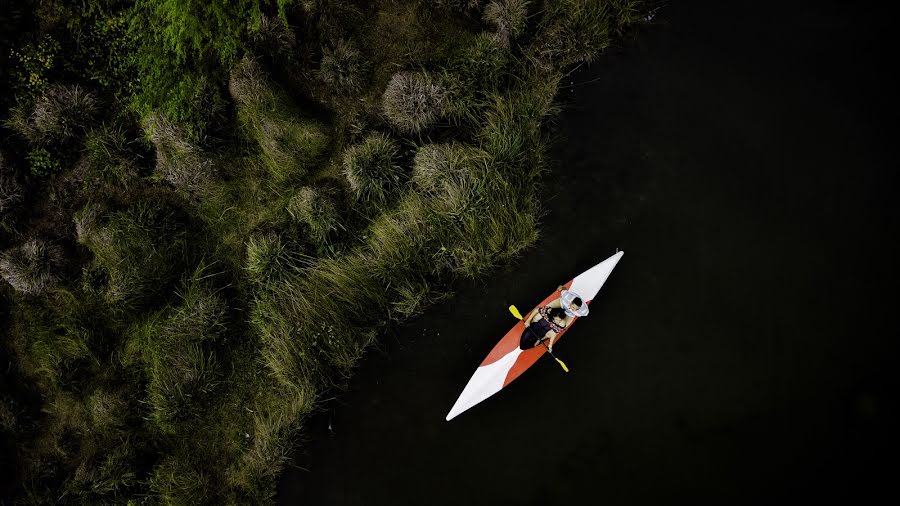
(515, 312)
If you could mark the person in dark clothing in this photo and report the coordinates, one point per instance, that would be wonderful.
(545, 323)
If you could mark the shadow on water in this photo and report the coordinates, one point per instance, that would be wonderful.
(742, 350)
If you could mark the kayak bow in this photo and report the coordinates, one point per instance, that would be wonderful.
(507, 361)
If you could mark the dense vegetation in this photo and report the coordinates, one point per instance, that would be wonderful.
(210, 209)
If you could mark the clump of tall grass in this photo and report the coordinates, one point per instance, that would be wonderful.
(33, 267)
(106, 409)
(511, 132)
(11, 192)
(508, 17)
(315, 207)
(276, 418)
(472, 74)
(175, 481)
(574, 31)
(178, 161)
(462, 6)
(372, 169)
(290, 143)
(268, 257)
(110, 159)
(53, 338)
(273, 36)
(178, 348)
(57, 115)
(343, 67)
(105, 476)
(436, 164)
(414, 101)
(142, 250)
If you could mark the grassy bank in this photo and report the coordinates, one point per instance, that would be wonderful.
(208, 215)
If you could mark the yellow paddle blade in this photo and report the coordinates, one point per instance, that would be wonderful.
(562, 364)
(515, 312)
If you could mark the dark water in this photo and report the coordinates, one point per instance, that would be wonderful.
(743, 351)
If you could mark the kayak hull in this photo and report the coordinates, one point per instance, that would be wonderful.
(507, 361)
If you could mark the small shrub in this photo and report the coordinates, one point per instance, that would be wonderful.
(32, 268)
(343, 67)
(315, 208)
(42, 163)
(371, 168)
(414, 101)
(508, 17)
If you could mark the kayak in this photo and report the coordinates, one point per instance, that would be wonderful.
(507, 361)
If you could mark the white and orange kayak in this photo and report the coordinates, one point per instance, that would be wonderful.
(507, 361)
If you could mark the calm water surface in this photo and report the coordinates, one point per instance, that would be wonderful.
(743, 351)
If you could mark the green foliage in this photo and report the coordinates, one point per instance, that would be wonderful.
(183, 47)
(42, 163)
(32, 64)
(371, 169)
(290, 144)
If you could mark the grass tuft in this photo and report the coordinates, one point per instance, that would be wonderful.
(508, 17)
(343, 67)
(11, 192)
(178, 161)
(290, 143)
(413, 101)
(372, 170)
(57, 115)
(273, 36)
(315, 208)
(141, 249)
(32, 268)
